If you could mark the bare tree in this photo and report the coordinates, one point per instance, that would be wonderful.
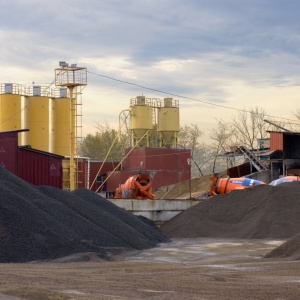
(222, 140)
(189, 138)
(248, 126)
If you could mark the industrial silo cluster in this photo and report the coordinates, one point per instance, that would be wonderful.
(43, 119)
(44, 111)
(146, 113)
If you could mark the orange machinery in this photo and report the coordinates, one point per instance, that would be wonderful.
(136, 187)
(226, 185)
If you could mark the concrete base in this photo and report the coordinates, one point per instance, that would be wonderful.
(159, 211)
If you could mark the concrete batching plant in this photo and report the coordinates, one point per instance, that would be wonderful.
(143, 114)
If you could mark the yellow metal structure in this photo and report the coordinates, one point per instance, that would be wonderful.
(10, 112)
(61, 126)
(141, 116)
(168, 123)
(66, 174)
(37, 120)
(72, 77)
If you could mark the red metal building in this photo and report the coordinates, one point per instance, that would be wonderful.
(92, 173)
(9, 150)
(276, 140)
(166, 166)
(39, 167)
(34, 166)
(289, 143)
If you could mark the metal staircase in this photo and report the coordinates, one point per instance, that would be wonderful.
(253, 158)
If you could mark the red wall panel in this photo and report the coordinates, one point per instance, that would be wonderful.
(167, 166)
(86, 178)
(276, 141)
(8, 151)
(39, 168)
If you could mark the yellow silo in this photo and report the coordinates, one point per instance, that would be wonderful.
(168, 123)
(37, 120)
(141, 116)
(10, 109)
(61, 124)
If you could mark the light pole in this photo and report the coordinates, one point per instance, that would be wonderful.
(190, 161)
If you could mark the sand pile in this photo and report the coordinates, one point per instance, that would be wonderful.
(260, 212)
(43, 223)
(188, 189)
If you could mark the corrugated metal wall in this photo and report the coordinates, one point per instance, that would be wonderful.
(276, 141)
(157, 159)
(40, 168)
(8, 151)
(85, 180)
(168, 166)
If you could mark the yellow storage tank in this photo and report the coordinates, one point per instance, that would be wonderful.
(10, 111)
(168, 123)
(141, 116)
(61, 126)
(37, 120)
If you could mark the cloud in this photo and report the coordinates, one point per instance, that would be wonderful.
(233, 53)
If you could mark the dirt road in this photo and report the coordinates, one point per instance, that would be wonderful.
(183, 269)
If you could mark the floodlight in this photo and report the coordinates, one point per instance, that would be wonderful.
(63, 64)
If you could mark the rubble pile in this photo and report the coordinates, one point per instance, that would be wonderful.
(44, 223)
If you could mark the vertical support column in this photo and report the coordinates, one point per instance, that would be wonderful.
(72, 139)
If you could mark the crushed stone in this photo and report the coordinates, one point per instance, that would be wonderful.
(45, 223)
(263, 211)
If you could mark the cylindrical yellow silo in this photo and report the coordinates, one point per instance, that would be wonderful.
(10, 112)
(168, 123)
(61, 126)
(37, 120)
(140, 122)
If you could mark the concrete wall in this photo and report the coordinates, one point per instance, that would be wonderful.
(264, 176)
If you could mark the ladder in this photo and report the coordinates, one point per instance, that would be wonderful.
(253, 158)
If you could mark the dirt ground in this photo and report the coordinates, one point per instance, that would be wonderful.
(183, 269)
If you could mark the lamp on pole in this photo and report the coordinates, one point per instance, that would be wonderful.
(190, 161)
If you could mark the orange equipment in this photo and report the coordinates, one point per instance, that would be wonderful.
(136, 187)
(285, 179)
(226, 185)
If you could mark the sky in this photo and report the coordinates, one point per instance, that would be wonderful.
(214, 56)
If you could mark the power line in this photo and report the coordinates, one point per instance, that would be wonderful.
(184, 97)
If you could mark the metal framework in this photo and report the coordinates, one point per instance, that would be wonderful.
(75, 79)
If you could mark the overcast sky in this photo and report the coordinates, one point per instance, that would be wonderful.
(234, 53)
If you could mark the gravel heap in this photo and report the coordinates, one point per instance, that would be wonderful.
(44, 223)
(290, 249)
(262, 211)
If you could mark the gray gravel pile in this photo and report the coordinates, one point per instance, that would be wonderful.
(290, 249)
(263, 211)
(44, 223)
